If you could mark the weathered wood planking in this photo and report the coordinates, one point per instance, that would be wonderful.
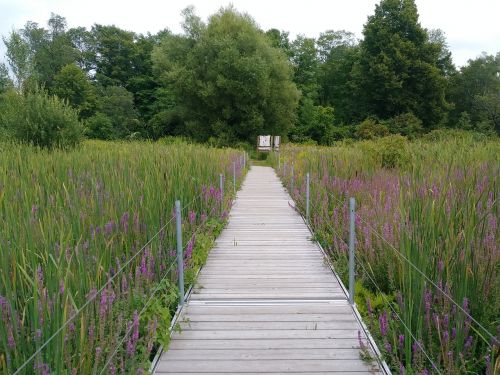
(265, 302)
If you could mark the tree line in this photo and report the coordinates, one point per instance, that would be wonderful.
(226, 80)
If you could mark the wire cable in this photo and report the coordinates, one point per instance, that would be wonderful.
(94, 295)
(143, 310)
(397, 315)
(401, 255)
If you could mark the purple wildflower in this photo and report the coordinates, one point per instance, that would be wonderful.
(383, 323)
(192, 217)
(401, 340)
(124, 221)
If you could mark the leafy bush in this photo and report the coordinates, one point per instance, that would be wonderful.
(100, 126)
(40, 119)
(453, 135)
(406, 124)
(371, 129)
(388, 152)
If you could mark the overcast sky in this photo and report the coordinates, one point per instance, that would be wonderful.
(471, 27)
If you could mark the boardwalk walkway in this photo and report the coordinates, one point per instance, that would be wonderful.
(266, 301)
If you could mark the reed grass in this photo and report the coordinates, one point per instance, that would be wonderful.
(71, 219)
(434, 202)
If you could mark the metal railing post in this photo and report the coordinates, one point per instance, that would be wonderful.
(279, 161)
(221, 186)
(291, 182)
(307, 197)
(234, 178)
(180, 257)
(352, 239)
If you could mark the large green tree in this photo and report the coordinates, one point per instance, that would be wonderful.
(73, 85)
(475, 93)
(399, 67)
(231, 83)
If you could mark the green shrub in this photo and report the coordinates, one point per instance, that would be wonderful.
(100, 126)
(371, 129)
(406, 124)
(454, 135)
(40, 119)
(388, 152)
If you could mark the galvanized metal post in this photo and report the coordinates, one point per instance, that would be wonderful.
(352, 239)
(180, 257)
(234, 178)
(291, 182)
(221, 186)
(307, 197)
(284, 169)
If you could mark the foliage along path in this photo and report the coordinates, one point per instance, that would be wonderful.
(266, 301)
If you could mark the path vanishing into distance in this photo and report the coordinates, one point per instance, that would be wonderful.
(267, 301)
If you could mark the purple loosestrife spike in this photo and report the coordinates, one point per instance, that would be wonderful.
(468, 343)
(192, 217)
(401, 340)
(383, 323)
(189, 247)
(11, 343)
(488, 365)
(98, 352)
(425, 372)
(388, 347)
(135, 334)
(401, 369)
(39, 274)
(369, 306)
(91, 332)
(108, 227)
(61, 287)
(124, 221)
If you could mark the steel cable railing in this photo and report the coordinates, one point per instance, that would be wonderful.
(418, 270)
(387, 302)
(144, 309)
(289, 183)
(110, 280)
(427, 278)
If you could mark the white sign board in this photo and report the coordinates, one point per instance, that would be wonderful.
(277, 139)
(264, 143)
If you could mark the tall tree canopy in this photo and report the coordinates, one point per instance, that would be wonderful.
(230, 82)
(398, 69)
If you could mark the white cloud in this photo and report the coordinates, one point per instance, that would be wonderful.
(470, 27)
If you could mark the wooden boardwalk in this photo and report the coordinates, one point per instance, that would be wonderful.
(266, 301)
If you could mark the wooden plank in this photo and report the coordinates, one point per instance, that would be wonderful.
(242, 366)
(266, 334)
(268, 344)
(270, 295)
(265, 302)
(276, 354)
(244, 289)
(267, 317)
(337, 307)
(276, 325)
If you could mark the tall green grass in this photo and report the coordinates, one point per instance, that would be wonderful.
(434, 202)
(70, 220)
